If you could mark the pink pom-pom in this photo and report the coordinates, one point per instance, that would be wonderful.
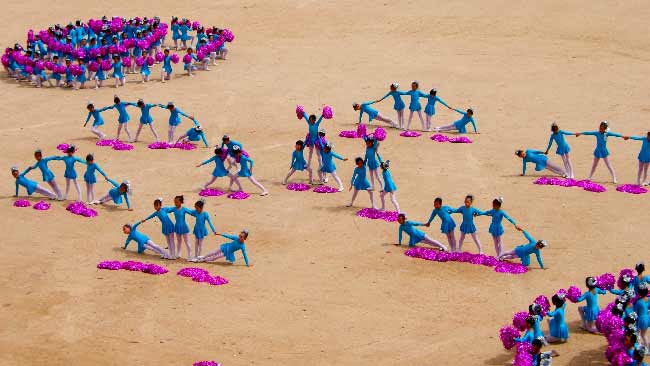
(110, 265)
(79, 208)
(239, 195)
(160, 56)
(106, 65)
(410, 134)
(41, 206)
(210, 192)
(200, 55)
(300, 111)
(380, 134)
(298, 187)
(543, 302)
(22, 203)
(523, 357)
(227, 35)
(460, 140)
(175, 58)
(105, 142)
(60, 69)
(29, 69)
(201, 275)
(371, 213)
(139, 61)
(5, 60)
(573, 293)
(361, 130)
(93, 66)
(39, 65)
(121, 146)
(143, 45)
(80, 53)
(348, 134)
(196, 25)
(75, 70)
(327, 112)
(150, 61)
(187, 59)
(519, 320)
(511, 268)
(508, 335)
(62, 147)
(206, 363)
(112, 49)
(49, 65)
(631, 188)
(605, 281)
(126, 62)
(325, 189)
(624, 272)
(159, 145)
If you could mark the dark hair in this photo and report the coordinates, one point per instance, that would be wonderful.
(555, 128)
(312, 116)
(519, 152)
(300, 143)
(71, 149)
(640, 268)
(180, 198)
(537, 343)
(496, 202)
(245, 234)
(618, 310)
(438, 200)
(470, 197)
(90, 157)
(639, 353)
(531, 320)
(38, 152)
(357, 160)
(140, 102)
(557, 301)
(642, 291)
(633, 339)
(534, 309)
(628, 320)
(630, 331)
(587, 280)
(199, 203)
(401, 216)
(433, 92)
(90, 105)
(116, 99)
(470, 110)
(197, 129)
(157, 201)
(218, 151)
(124, 186)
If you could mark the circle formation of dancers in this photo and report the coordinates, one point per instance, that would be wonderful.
(79, 53)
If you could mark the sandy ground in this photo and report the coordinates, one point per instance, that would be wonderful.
(328, 287)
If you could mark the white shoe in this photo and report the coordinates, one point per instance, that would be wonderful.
(265, 193)
(341, 190)
(325, 180)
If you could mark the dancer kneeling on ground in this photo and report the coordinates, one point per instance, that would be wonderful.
(228, 250)
(415, 235)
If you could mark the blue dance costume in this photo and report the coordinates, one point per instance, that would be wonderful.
(641, 309)
(415, 105)
(146, 118)
(365, 108)
(447, 225)
(200, 231)
(644, 154)
(219, 168)
(229, 249)
(116, 196)
(562, 146)
(245, 170)
(525, 250)
(69, 161)
(536, 157)
(328, 161)
(557, 325)
(181, 227)
(415, 235)
(89, 175)
(591, 310)
(371, 156)
(123, 116)
(461, 124)
(192, 135)
(359, 180)
(496, 228)
(30, 185)
(97, 117)
(389, 185)
(601, 142)
(165, 221)
(42, 165)
(312, 135)
(298, 161)
(467, 225)
(138, 237)
(117, 70)
(430, 108)
(528, 337)
(397, 97)
(174, 115)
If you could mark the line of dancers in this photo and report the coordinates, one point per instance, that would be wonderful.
(194, 134)
(118, 193)
(177, 232)
(80, 53)
(522, 252)
(601, 152)
(415, 107)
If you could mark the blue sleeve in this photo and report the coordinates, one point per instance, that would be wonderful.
(509, 218)
(126, 198)
(243, 253)
(250, 162)
(360, 114)
(434, 213)
(416, 223)
(590, 133)
(337, 155)
(354, 176)
(128, 240)
(154, 214)
(305, 117)
(320, 119)
(550, 142)
(211, 225)
(551, 313)
(616, 291)
(485, 213)
(114, 183)
(455, 210)
(182, 113)
(106, 108)
(205, 141)
(538, 255)
(459, 111)
(524, 166)
(209, 160)
(473, 124)
(231, 237)
(385, 96)
(565, 132)
(191, 212)
(135, 227)
(443, 102)
(601, 291)
(79, 160)
(582, 297)
(638, 138)
(614, 134)
(293, 158)
(100, 170)
(401, 229)
(90, 114)
(17, 186)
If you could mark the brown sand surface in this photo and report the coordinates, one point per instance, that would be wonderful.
(328, 287)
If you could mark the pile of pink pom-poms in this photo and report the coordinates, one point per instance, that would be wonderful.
(206, 363)
(211, 192)
(609, 325)
(477, 259)
(239, 195)
(410, 134)
(374, 214)
(115, 144)
(379, 134)
(162, 145)
(454, 140)
(298, 187)
(631, 188)
(135, 266)
(201, 275)
(587, 185)
(325, 189)
(79, 208)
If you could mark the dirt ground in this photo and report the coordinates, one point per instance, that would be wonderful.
(328, 287)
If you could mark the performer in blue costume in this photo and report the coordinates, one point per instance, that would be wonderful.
(48, 176)
(29, 185)
(359, 182)
(311, 139)
(558, 329)
(540, 160)
(414, 105)
(228, 250)
(123, 117)
(496, 228)
(328, 165)
(194, 134)
(246, 171)
(589, 313)
(162, 214)
(220, 170)
(398, 104)
(461, 124)
(563, 148)
(447, 224)
(524, 251)
(372, 113)
(467, 225)
(90, 178)
(298, 162)
(145, 118)
(415, 235)
(142, 240)
(98, 121)
(644, 159)
(389, 186)
(119, 192)
(174, 119)
(430, 108)
(200, 230)
(70, 173)
(601, 151)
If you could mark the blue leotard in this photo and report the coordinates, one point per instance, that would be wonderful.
(116, 196)
(312, 134)
(97, 117)
(536, 157)
(69, 161)
(174, 115)
(229, 249)
(117, 70)
(179, 216)
(415, 235)
(200, 231)
(192, 135)
(496, 228)
(165, 221)
(641, 309)
(430, 108)
(467, 225)
(138, 237)
(415, 105)
(42, 165)
(89, 175)
(123, 115)
(601, 142)
(462, 123)
(591, 310)
(447, 225)
(359, 180)
(245, 170)
(397, 97)
(371, 156)
(557, 325)
(328, 161)
(644, 154)
(525, 250)
(562, 146)
(365, 108)
(30, 185)
(219, 168)
(146, 118)
(298, 161)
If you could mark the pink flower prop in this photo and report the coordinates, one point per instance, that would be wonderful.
(562, 182)
(134, 266)
(298, 187)
(573, 293)
(380, 134)
(327, 112)
(41, 206)
(605, 281)
(371, 213)
(79, 208)
(361, 130)
(210, 192)
(410, 134)
(206, 363)
(348, 134)
(507, 335)
(519, 320)
(476, 259)
(160, 56)
(105, 142)
(121, 146)
(624, 272)
(22, 203)
(543, 302)
(460, 140)
(175, 58)
(228, 35)
(631, 188)
(239, 195)
(523, 357)
(201, 275)
(325, 189)
(158, 145)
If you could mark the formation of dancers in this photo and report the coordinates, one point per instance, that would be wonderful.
(601, 152)
(80, 53)
(118, 193)
(415, 107)
(631, 306)
(194, 134)
(176, 233)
